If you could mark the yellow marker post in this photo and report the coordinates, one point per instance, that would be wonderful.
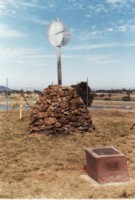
(20, 102)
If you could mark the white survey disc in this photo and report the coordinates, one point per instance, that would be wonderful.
(58, 34)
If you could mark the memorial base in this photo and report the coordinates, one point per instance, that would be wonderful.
(106, 165)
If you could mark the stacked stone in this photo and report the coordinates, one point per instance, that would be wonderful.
(60, 110)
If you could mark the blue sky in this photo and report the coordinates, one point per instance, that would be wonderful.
(101, 48)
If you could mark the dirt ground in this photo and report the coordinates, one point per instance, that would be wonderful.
(52, 166)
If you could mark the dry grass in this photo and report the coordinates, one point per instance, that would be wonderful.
(41, 166)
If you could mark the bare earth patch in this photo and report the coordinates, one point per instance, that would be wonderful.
(52, 166)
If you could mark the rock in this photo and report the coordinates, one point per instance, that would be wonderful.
(42, 127)
(58, 124)
(63, 120)
(61, 93)
(74, 118)
(34, 129)
(64, 104)
(49, 121)
(32, 120)
(43, 107)
(41, 115)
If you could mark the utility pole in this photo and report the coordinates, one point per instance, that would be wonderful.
(59, 66)
(87, 94)
(58, 35)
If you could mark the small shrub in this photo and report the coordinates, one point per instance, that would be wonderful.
(82, 91)
(124, 194)
(126, 98)
(107, 99)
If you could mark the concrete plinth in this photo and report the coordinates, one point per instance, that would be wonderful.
(106, 165)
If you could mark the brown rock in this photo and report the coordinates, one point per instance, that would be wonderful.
(74, 118)
(34, 128)
(66, 113)
(43, 107)
(41, 115)
(50, 108)
(84, 129)
(57, 111)
(58, 124)
(82, 110)
(63, 120)
(86, 117)
(53, 94)
(51, 114)
(54, 99)
(32, 120)
(73, 107)
(81, 119)
(63, 98)
(57, 116)
(69, 98)
(64, 104)
(35, 110)
(61, 93)
(39, 122)
(75, 112)
(75, 124)
(49, 121)
(42, 127)
(55, 104)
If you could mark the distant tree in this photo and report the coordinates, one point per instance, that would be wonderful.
(28, 92)
(126, 98)
(110, 95)
(107, 99)
(82, 91)
(94, 95)
(128, 93)
(7, 92)
(14, 91)
(37, 91)
(101, 95)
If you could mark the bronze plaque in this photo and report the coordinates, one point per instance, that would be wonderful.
(105, 151)
(112, 165)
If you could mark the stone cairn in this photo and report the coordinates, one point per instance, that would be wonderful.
(60, 109)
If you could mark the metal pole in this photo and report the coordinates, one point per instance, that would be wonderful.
(59, 66)
(87, 94)
(7, 93)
